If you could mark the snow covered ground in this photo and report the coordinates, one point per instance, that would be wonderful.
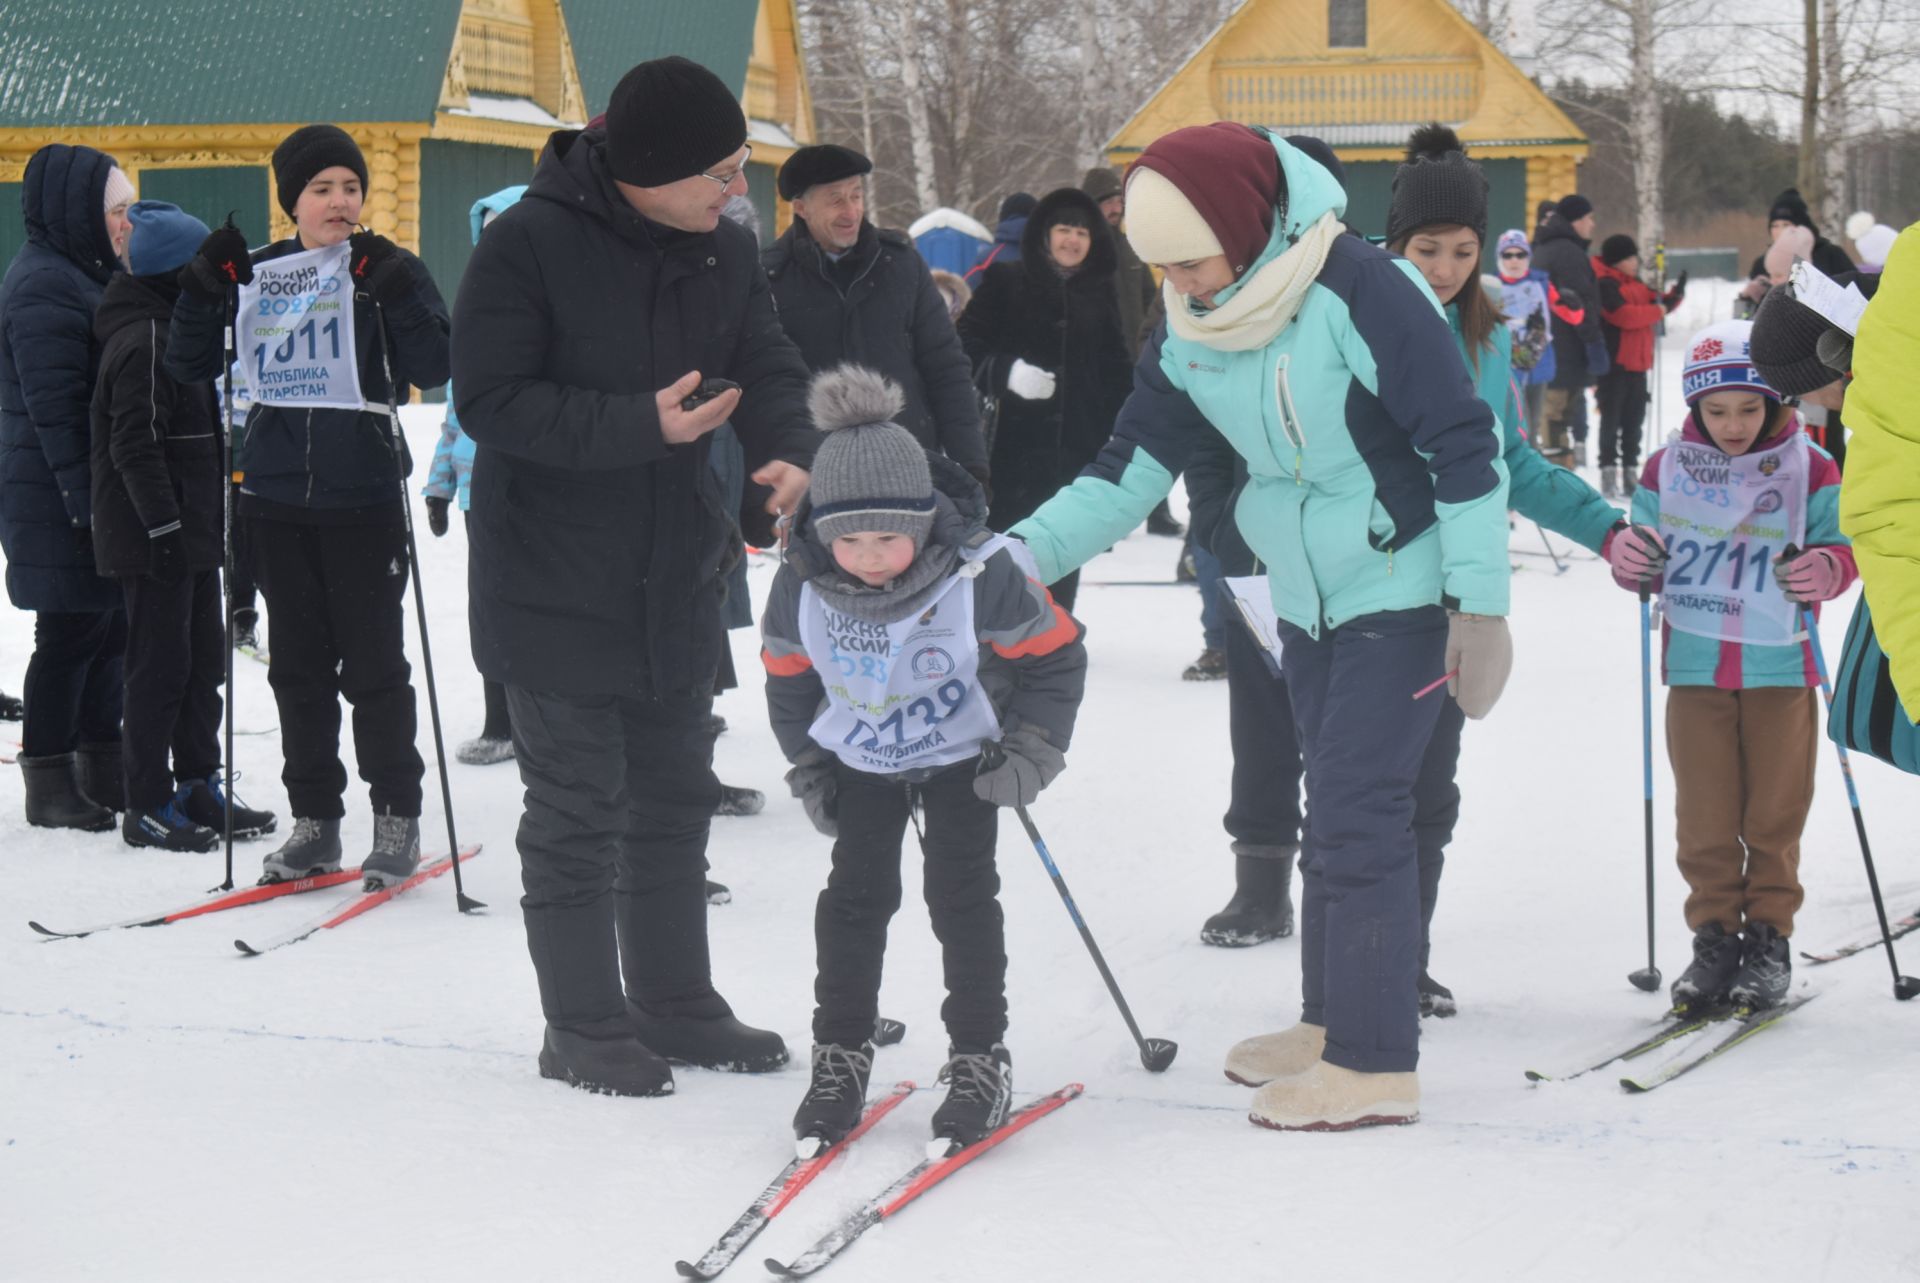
(365, 1104)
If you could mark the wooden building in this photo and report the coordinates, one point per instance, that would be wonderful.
(1362, 75)
(449, 99)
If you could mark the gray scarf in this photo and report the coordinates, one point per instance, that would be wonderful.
(891, 602)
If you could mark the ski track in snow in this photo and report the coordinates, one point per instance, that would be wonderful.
(367, 1101)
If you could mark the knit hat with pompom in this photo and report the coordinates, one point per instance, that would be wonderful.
(869, 473)
(1437, 187)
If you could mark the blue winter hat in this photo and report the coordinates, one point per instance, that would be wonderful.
(163, 238)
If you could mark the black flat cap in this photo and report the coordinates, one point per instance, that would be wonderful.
(821, 163)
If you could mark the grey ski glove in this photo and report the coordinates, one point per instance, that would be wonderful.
(1480, 647)
(814, 783)
(1012, 772)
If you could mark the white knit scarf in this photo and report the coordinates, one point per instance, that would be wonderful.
(1265, 301)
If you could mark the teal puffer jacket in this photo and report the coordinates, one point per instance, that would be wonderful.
(1374, 473)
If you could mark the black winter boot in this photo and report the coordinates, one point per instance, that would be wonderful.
(1262, 904)
(1435, 998)
(603, 1056)
(835, 1098)
(1716, 956)
(979, 1091)
(1766, 969)
(704, 1032)
(54, 799)
(101, 775)
(313, 847)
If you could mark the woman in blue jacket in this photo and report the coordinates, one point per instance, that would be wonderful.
(1438, 220)
(1376, 498)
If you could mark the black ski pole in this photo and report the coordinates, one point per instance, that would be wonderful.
(1559, 566)
(1155, 1053)
(1904, 987)
(1648, 979)
(226, 572)
(466, 903)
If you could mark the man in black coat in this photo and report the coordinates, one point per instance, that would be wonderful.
(591, 312)
(1579, 351)
(848, 291)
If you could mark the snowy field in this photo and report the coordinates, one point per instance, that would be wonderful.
(366, 1105)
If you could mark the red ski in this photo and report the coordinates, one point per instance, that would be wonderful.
(214, 902)
(356, 906)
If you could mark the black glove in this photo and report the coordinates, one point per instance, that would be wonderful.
(1012, 772)
(220, 264)
(375, 263)
(437, 515)
(169, 556)
(1680, 282)
(815, 784)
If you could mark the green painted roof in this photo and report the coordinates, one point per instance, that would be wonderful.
(611, 36)
(193, 62)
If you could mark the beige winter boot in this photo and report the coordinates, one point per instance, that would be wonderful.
(1327, 1098)
(1262, 1059)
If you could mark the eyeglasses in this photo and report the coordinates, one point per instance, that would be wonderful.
(727, 180)
(1514, 253)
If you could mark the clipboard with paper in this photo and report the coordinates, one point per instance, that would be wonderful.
(1252, 598)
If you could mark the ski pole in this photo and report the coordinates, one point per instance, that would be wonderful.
(466, 903)
(1904, 987)
(1648, 979)
(1559, 566)
(1155, 1053)
(226, 572)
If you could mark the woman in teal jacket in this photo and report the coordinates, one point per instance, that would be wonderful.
(1376, 498)
(1438, 220)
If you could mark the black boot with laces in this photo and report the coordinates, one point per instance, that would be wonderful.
(1716, 957)
(1766, 969)
(979, 1092)
(835, 1097)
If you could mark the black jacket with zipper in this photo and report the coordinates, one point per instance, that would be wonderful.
(156, 441)
(328, 466)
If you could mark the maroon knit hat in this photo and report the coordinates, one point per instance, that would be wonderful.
(1231, 175)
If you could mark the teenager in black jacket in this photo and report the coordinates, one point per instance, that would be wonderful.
(157, 516)
(322, 498)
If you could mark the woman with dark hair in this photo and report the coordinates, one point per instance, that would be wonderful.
(1046, 334)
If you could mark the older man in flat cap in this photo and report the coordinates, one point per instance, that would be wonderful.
(848, 291)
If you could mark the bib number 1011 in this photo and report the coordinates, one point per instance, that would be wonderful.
(312, 333)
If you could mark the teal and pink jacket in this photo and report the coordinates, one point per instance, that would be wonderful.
(1689, 660)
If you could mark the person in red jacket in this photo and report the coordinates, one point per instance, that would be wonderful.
(1630, 316)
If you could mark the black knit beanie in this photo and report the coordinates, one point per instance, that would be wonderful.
(1616, 247)
(1573, 208)
(308, 150)
(670, 119)
(1437, 187)
(1791, 207)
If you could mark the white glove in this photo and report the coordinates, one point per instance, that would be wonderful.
(1030, 382)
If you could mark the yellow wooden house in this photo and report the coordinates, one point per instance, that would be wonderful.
(1362, 75)
(449, 99)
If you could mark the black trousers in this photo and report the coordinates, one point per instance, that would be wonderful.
(492, 694)
(244, 589)
(863, 892)
(73, 682)
(613, 845)
(1623, 410)
(336, 595)
(1265, 810)
(175, 664)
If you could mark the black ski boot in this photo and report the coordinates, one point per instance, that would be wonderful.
(704, 1032)
(246, 632)
(606, 1058)
(205, 802)
(718, 892)
(102, 775)
(979, 1091)
(313, 847)
(1766, 969)
(834, 1100)
(1716, 956)
(1161, 521)
(1262, 904)
(1436, 999)
(54, 799)
(11, 709)
(735, 800)
(168, 828)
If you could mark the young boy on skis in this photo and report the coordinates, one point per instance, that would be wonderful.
(916, 668)
(1736, 525)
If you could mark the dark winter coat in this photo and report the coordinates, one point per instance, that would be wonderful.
(1068, 325)
(327, 466)
(1561, 253)
(879, 307)
(156, 442)
(48, 359)
(1133, 282)
(1215, 476)
(1008, 238)
(1828, 257)
(598, 550)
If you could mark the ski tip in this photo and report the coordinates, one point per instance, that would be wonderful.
(688, 1271)
(779, 1269)
(45, 931)
(1633, 1088)
(246, 949)
(1535, 1076)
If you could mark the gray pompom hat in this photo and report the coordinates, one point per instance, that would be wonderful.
(869, 473)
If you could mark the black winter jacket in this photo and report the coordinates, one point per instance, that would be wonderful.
(1068, 325)
(1560, 252)
(327, 466)
(879, 307)
(48, 359)
(1215, 476)
(156, 442)
(1828, 257)
(598, 550)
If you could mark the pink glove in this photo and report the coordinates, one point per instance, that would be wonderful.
(1814, 575)
(1636, 554)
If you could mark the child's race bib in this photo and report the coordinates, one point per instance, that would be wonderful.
(1725, 521)
(294, 333)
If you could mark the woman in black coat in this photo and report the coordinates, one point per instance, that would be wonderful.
(1044, 335)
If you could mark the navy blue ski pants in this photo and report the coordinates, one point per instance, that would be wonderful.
(1362, 739)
